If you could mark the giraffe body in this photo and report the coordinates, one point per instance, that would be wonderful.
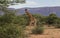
(33, 21)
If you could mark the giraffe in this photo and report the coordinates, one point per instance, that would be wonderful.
(32, 19)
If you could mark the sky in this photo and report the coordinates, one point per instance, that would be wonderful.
(37, 3)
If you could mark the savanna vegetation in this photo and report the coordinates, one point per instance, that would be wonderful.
(13, 26)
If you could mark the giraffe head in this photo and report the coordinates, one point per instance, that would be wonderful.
(26, 9)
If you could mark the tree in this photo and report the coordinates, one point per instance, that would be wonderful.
(7, 13)
(5, 3)
(7, 28)
(51, 19)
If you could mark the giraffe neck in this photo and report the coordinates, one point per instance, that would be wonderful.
(30, 15)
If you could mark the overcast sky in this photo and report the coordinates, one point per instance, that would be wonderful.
(37, 3)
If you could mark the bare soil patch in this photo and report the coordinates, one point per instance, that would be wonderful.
(48, 33)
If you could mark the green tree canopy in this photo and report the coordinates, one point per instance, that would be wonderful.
(51, 18)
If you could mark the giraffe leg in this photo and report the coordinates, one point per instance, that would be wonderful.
(31, 23)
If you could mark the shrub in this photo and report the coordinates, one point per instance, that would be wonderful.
(57, 25)
(51, 19)
(38, 30)
(12, 31)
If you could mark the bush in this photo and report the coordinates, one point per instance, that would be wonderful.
(38, 30)
(12, 31)
(51, 19)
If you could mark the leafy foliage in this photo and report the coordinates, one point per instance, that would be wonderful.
(11, 31)
(51, 19)
(38, 30)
